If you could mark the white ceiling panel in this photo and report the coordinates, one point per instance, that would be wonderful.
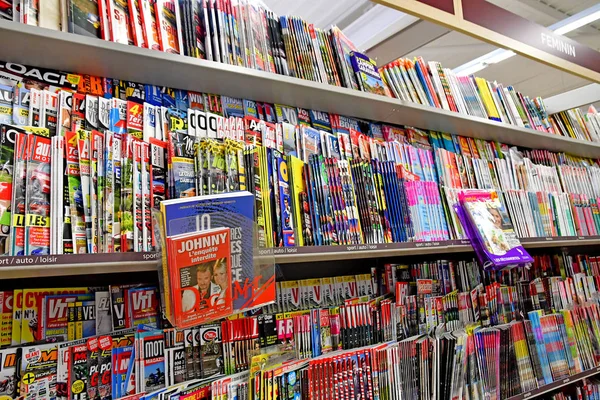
(322, 14)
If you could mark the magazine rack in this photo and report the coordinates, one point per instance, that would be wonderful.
(251, 273)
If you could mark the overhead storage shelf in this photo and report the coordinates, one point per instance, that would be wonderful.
(68, 52)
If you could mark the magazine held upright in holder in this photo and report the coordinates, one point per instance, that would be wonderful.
(490, 229)
(210, 268)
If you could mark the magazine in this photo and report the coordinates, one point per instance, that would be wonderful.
(152, 360)
(118, 16)
(53, 317)
(83, 15)
(367, 75)
(168, 25)
(17, 206)
(8, 137)
(149, 25)
(20, 110)
(8, 369)
(142, 307)
(200, 275)
(37, 210)
(252, 285)
(38, 371)
(84, 151)
(75, 194)
(490, 229)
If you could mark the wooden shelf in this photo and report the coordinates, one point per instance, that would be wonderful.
(68, 52)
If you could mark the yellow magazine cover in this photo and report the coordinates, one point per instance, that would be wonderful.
(567, 123)
(32, 301)
(486, 98)
(266, 195)
(295, 167)
(16, 317)
(255, 182)
(72, 311)
(78, 320)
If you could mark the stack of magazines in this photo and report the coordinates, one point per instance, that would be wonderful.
(578, 125)
(429, 84)
(112, 150)
(247, 34)
(443, 329)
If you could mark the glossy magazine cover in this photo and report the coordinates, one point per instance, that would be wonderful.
(252, 285)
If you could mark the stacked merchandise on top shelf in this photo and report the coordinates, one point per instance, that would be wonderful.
(236, 32)
(451, 327)
(429, 84)
(577, 125)
(244, 33)
(98, 154)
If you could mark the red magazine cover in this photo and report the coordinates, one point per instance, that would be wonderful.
(168, 25)
(199, 266)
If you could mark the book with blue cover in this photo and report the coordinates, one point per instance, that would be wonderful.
(320, 120)
(367, 74)
(122, 360)
(253, 285)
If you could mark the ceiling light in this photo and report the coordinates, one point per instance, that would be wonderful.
(501, 56)
(376, 25)
(480, 63)
(470, 70)
(578, 23)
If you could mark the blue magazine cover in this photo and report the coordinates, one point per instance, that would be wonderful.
(121, 358)
(252, 285)
(232, 107)
(367, 74)
(320, 120)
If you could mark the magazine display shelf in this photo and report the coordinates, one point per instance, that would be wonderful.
(289, 255)
(86, 264)
(75, 53)
(76, 264)
(556, 385)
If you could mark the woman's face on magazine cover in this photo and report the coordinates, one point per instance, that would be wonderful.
(496, 217)
(220, 276)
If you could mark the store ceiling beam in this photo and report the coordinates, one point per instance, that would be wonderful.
(582, 96)
(406, 41)
(536, 52)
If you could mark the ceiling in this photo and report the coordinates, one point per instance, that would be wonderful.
(453, 49)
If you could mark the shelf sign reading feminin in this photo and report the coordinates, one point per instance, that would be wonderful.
(504, 22)
(484, 20)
